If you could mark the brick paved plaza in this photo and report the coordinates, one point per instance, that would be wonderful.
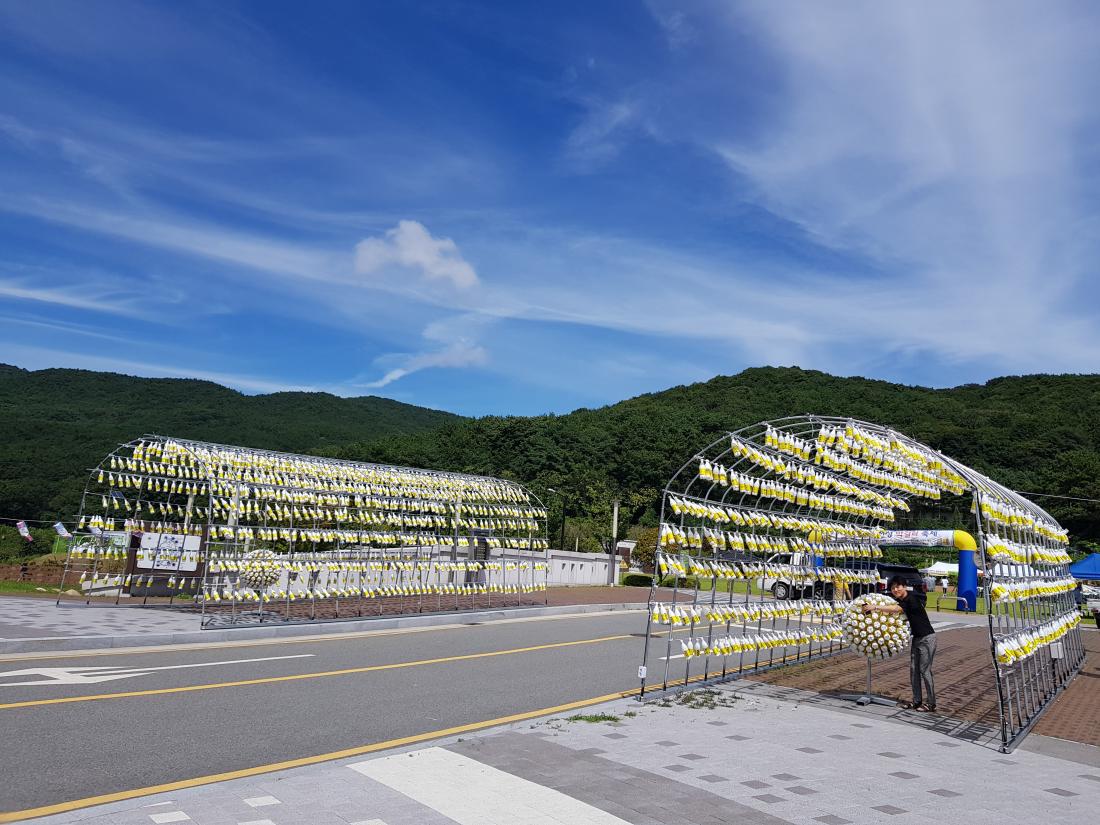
(964, 686)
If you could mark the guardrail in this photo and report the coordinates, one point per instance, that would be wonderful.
(955, 602)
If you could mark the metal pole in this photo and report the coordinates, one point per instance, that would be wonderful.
(613, 556)
(1002, 710)
(561, 543)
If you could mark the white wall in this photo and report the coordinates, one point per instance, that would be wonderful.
(566, 567)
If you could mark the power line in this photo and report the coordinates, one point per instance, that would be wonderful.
(1052, 495)
(34, 520)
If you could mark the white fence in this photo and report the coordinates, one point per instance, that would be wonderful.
(566, 567)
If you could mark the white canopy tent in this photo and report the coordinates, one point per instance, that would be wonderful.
(941, 568)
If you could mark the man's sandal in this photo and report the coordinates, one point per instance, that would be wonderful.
(925, 708)
(908, 705)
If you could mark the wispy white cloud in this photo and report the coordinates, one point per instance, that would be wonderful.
(191, 237)
(58, 329)
(945, 153)
(88, 297)
(455, 345)
(673, 21)
(411, 246)
(945, 145)
(601, 132)
(927, 177)
(458, 354)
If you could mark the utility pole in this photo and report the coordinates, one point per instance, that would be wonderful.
(613, 557)
(561, 543)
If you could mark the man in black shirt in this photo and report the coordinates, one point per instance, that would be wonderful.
(923, 647)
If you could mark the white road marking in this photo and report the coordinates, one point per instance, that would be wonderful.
(262, 801)
(174, 816)
(91, 675)
(472, 793)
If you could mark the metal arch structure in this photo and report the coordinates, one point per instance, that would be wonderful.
(795, 506)
(243, 535)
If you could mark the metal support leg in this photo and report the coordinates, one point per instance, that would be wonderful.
(867, 697)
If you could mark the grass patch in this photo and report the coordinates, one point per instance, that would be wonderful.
(947, 603)
(25, 587)
(592, 717)
(726, 585)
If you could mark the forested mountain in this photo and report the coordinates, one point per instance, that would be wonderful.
(58, 423)
(1032, 433)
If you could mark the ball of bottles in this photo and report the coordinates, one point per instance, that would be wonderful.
(875, 635)
(259, 569)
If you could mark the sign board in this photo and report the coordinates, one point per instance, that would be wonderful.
(116, 539)
(918, 538)
(168, 551)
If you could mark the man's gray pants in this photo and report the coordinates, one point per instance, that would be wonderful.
(921, 653)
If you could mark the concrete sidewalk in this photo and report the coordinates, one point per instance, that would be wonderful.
(738, 754)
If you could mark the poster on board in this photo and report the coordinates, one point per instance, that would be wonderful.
(168, 551)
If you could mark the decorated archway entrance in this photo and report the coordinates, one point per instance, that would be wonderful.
(769, 533)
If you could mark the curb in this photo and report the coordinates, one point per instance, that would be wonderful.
(304, 629)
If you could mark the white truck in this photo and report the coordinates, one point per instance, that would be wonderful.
(783, 588)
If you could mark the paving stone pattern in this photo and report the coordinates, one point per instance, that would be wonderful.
(789, 766)
(22, 618)
(636, 795)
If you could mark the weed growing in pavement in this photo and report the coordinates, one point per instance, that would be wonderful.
(592, 717)
(706, 699)
(699, 700)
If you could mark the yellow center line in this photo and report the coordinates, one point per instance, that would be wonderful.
(120, 796)
(299, 676)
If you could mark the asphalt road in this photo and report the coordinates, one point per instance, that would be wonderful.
(345, 693)
(82, 725)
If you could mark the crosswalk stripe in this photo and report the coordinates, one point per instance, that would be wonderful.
(472, 793)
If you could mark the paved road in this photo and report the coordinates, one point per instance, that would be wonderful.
(747, 753)
(270, 702)
(80, 725)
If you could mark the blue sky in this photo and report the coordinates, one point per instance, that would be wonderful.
(531, 207)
